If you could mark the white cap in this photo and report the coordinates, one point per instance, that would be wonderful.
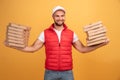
(57, 8)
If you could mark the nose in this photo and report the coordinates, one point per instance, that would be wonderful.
(60, 18)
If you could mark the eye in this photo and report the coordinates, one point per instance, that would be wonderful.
(62, 15)
(56, 15)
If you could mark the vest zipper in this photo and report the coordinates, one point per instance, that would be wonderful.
(59, 44)
(59, 51)
(59, 55)
(59, 62)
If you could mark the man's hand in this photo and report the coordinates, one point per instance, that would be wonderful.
(36, 46)
(84, 49)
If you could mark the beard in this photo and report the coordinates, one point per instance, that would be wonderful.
(57, 24)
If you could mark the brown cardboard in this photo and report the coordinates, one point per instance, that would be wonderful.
(96, 36)
(96, 33)
(96, 39)
(96, 42)
(17, 35)
(93, 24)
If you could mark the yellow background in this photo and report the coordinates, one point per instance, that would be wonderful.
(101, 64)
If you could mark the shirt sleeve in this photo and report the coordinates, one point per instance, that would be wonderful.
(41, 37)
(75, 37)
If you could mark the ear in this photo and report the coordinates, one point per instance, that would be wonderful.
(53, 16)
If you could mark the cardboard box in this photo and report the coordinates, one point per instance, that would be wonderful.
(96, 33)
(17, 35)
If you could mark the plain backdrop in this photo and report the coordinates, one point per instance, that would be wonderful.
(101, 64)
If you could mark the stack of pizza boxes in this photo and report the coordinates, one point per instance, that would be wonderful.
(17, 35)
(96, 33)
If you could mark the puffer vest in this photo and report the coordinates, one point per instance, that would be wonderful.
(58, 55)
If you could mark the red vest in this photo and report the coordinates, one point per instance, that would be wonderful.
(58, 55)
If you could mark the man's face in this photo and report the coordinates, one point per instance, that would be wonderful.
(59, 17)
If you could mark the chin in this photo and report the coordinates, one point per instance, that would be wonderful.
(59, 24)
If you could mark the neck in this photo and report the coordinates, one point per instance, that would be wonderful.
(58, 27)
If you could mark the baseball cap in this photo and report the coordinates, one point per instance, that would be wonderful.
(57, 8)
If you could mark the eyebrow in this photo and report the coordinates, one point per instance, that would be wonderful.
(60, 15)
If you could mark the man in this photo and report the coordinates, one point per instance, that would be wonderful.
(58, 41)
